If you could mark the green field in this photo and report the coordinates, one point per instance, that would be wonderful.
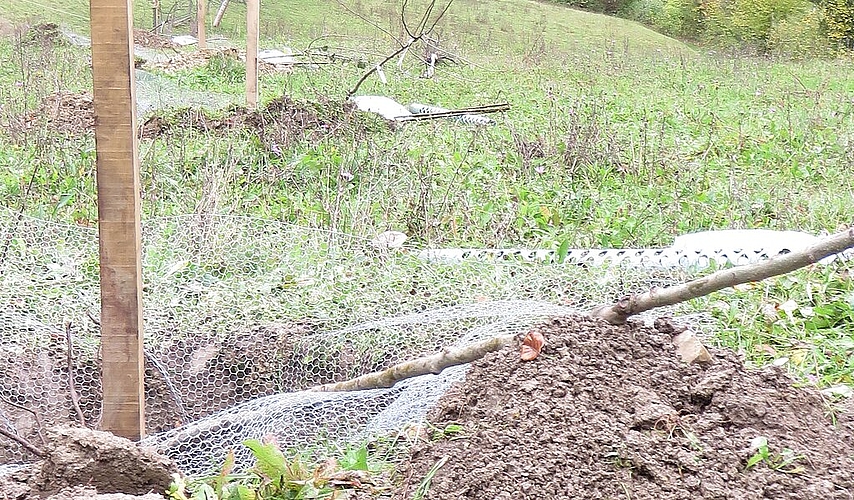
(617, 137)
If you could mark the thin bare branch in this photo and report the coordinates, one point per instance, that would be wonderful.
(72, 389)
(374, 68)
(39, 426)
(413, 37)
(630, 305)
(403, 19)
(23, 442)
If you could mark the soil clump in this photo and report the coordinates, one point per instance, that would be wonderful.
(84, 463)
(610, 412)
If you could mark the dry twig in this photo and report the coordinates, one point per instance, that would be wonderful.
(23, 442)
(34, 413)
(420, 32)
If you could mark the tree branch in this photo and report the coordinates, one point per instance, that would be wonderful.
(23, 442)
(616, 313)
(630, 305)
(421, 31)
(35, 415)
(433, 363)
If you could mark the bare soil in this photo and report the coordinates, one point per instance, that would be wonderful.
(82, 463)
(610, 412)
(145, 38)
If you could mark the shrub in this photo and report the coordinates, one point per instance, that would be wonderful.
(838, 22)
(801, 35)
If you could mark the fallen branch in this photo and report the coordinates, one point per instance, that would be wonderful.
(433, 363)
(23, 442)
(72, 389)
(39, 426)
(616, 313)
(630, 305)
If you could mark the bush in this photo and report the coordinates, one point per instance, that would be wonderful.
(673, 17)
(838, 22)
(800, 35)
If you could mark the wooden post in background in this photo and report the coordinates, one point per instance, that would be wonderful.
(253, 14)
(201, 13)
(118, 217)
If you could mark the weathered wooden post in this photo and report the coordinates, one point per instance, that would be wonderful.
(201, 12)
(118, 217)
(253, 13)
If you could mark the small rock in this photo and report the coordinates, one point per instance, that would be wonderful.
(690, 348)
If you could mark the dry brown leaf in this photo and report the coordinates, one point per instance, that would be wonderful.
(532, 345)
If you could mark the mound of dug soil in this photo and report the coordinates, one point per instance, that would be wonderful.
(610, 412)
(81, 463)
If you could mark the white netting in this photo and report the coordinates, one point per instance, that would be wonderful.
(241, 314)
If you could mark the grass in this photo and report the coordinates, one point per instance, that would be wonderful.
(617, 137)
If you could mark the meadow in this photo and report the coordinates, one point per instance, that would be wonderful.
(616, 137)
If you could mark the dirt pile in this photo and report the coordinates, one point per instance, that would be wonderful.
(69, 113)
(609, 412)
(81, 463)
(278, 125)
(151, 40)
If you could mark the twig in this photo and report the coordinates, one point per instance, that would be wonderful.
(93, 318)
(630, 305)
(374, 68)
(422, 31)
(23, 442)
(75, 398)
(35, 415)
(434, 363)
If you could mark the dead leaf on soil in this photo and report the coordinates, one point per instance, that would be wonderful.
(532, 345)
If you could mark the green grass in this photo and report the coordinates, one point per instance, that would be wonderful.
(617, 137)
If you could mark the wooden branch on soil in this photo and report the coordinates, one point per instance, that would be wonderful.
(630, 305)
(616, 313)
(433, 363)
(35, 414)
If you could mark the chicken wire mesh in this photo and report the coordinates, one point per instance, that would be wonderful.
(242, 315)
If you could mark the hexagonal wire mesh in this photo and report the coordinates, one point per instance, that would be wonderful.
(242, 314)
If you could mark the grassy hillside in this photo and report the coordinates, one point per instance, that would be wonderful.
(617, 137)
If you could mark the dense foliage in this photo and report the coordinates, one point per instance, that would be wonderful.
(791, 27)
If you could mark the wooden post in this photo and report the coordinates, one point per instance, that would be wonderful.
(220, 13)
(118, 217)
(253, 13)
(201, 12)
(155, 16)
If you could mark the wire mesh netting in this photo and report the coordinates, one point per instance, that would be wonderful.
(241, 314)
